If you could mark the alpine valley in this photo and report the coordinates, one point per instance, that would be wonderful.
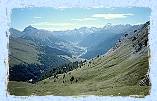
(112, 60)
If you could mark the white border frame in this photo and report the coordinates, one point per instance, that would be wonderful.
(5, 10)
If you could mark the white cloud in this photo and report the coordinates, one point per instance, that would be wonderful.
(51, 24)
(84, 19)
(112, 15)
(37, 17)
(62, 26)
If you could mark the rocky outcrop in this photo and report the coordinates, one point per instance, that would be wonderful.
(145, 81)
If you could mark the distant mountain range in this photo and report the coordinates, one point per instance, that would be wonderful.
(75, 35)
(97, 41)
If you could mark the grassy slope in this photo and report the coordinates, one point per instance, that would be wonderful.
(117, 73)
(22, 51)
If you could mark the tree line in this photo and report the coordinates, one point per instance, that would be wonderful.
(34, 72)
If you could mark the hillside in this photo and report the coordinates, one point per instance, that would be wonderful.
(123, 71)
(22, 51)
(28, 59)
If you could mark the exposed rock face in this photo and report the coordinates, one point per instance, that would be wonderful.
(145, 81)
(140, 39)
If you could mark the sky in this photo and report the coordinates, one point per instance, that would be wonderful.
(53, 19)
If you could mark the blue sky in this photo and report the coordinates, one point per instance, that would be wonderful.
(69, 18)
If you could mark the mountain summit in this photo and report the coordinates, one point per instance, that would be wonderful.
(29, 28)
